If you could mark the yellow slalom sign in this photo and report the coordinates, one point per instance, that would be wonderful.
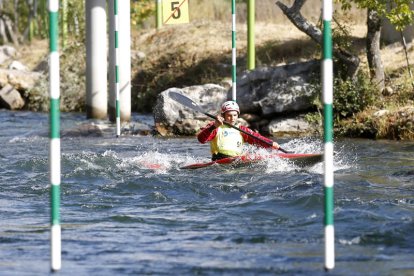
(175, 11)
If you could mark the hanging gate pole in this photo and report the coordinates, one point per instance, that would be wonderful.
(251, 52)
(117, 107)
(327, 87)
(233, 48)
(54, 123)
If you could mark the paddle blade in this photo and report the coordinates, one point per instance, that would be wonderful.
(180, 98)
(285, 151)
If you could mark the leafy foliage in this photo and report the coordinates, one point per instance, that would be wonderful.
(28, 18)
(76, 18)
(353, 96)
(141, 10)
(398, 11)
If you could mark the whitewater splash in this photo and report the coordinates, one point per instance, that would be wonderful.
(344, 157)
(163, 159)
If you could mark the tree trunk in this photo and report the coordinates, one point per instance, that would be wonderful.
(373, 48)
(350, 61)
(7, 31)
(16, 16)
(28, 32)
(3, 36)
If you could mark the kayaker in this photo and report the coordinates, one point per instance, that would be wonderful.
(227, 141)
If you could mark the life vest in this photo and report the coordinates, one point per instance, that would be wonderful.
(228, 141)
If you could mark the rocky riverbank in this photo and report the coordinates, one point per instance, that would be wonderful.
(278, 98)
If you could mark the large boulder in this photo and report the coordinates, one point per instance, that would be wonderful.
(171, 117)
(20, 80)
(10, 98)
(280, 94)
(296, 126)
(283, 89)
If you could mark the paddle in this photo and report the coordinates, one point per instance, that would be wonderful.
(180, 98)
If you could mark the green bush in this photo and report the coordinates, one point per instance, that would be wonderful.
(353, 96)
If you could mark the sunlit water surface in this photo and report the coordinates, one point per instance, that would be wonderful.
(128, 208)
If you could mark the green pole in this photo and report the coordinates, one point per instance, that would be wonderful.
(327, 88)
(117, 105)
(251, 54)
(54, 123)
(233, 48)
(159, 14)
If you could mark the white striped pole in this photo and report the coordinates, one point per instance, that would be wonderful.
(233, 49)
(54, 150)
(327, 88)
(117, 107)
(251, 51)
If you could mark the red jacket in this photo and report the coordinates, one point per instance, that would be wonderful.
(208, 133)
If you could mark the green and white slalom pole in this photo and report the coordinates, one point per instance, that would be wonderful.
(327, 88)
(117, 107)
(233, 49)
(251, 53)
(54, 150)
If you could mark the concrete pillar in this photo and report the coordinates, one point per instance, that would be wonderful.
(96, 60)
(124, 60)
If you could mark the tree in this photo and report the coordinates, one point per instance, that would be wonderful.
(398, 12)
(347, 60)
(7, 25)
(21, 19)
(376, 69)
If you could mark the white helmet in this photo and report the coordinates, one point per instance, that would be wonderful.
(230, 106)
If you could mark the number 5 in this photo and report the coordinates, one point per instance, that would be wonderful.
(174, 9)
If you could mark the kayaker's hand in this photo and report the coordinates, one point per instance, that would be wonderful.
(275, 145)
(219, 121)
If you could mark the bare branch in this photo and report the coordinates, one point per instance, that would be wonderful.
(294, 15)
(299, 21)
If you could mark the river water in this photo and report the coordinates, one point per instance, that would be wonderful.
(128, 208)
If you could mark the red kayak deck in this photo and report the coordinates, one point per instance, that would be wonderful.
(299, 159)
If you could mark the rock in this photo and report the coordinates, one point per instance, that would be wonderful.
(270, 91)
(171, 117)
(10, 98)
(261, 126)
(406, 111)
(18, 79)
(6, 53)
(289, 127)
(136, 128)
(17, 65)
(86, 130)
(381, 113)
(251, 118)
(387, 91)
(138, 55)
(42, 66)
(226, 83)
